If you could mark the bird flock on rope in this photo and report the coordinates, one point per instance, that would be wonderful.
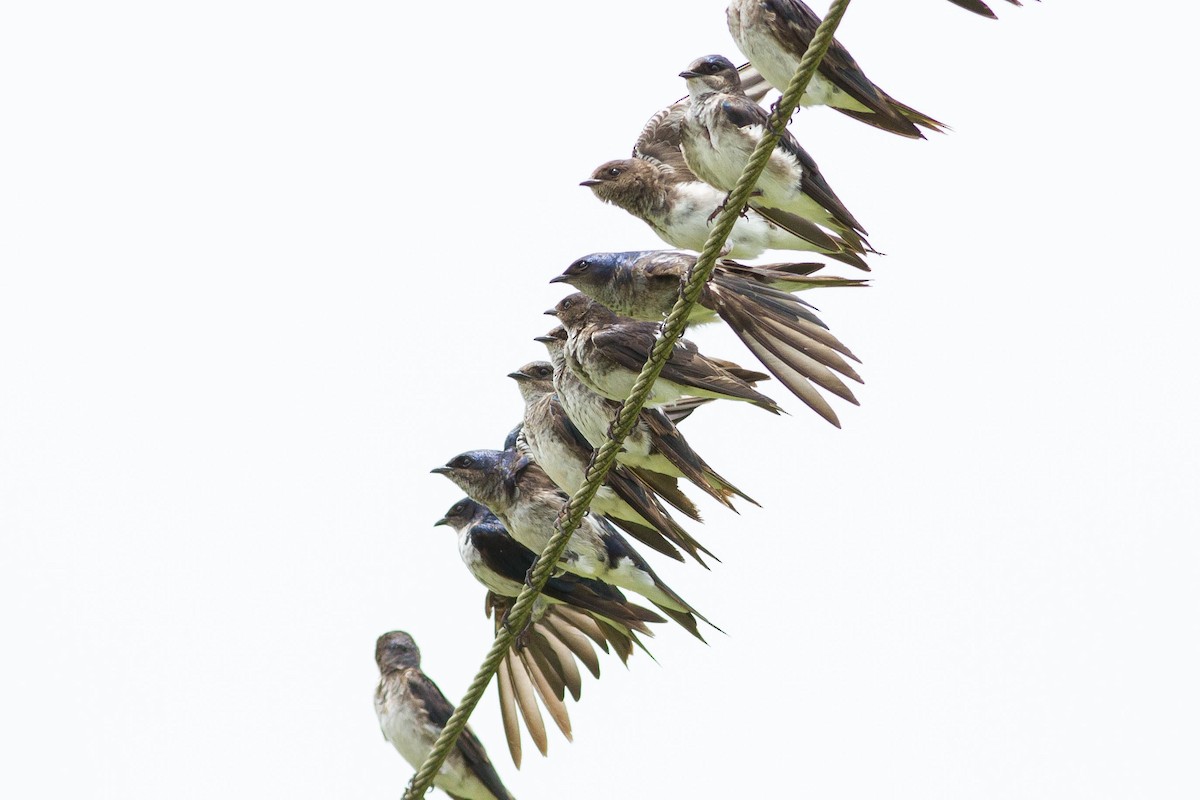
(604, 596)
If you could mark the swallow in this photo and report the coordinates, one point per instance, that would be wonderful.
(680, 208)
(654, 447)
(550, 438)
(720, 130)
(980, 8)
(412, 712)
(524, 498)
(570, 618)
(608, 352)
(774, 34)
(502, 565)
(754, 301)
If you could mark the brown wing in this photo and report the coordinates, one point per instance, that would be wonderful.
(426, 693)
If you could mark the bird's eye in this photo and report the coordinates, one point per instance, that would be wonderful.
(582, 265)
(462, 462)
(543, 372)
(614, 171)
(567, 303)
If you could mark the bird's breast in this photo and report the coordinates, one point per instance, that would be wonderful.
(409, 731)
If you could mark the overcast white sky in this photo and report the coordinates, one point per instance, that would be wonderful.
(263, 265)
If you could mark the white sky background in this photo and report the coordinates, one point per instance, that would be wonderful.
(264, 265)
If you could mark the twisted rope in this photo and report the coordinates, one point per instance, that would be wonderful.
(604, 458)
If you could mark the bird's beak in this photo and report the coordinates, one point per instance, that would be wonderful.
(559, 279)
(591, 182)
(440, 470)
(551, 313)
(518, 376)
(441, 521)
(544, 339)
(687, 73)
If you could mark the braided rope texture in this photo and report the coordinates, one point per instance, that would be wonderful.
(604, 458)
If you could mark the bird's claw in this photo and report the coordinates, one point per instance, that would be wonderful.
(519, 638)
(716, 213)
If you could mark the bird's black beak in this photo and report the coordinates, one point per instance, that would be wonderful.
(559, 279)
(440, 470)
(687, 73)
(552, 312)
(591, 182)
(441, 521)
(544, 339)
(518, 376)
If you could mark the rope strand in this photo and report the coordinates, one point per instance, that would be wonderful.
(604, 458)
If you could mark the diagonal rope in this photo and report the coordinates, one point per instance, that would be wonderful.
(603, 459)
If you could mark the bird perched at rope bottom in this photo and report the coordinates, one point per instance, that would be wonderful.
(552, 440)
(412, 712)
(608, 352)
(569, 619)
(653, 447)
(774, 34)
(754, 301)
(720, 131)
(524, 498)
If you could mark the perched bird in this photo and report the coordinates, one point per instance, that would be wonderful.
(656, 186)
(559, 448)
(721, 129)
(502, 564)
(644, 284)
(774, 34)
(979, 7)
(571, 617)
(654, 447)
(608, 352)
(522, 495)
(754, 301)
(412, 712)
(680, 208)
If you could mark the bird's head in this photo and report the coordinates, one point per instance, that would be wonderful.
(576, 310)
(555, 341)
(555, 337)
(487, 476)
(395, 651)
(596, 272)
(712, 73)
(462, 514)
(535, 379)
(622, 181)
